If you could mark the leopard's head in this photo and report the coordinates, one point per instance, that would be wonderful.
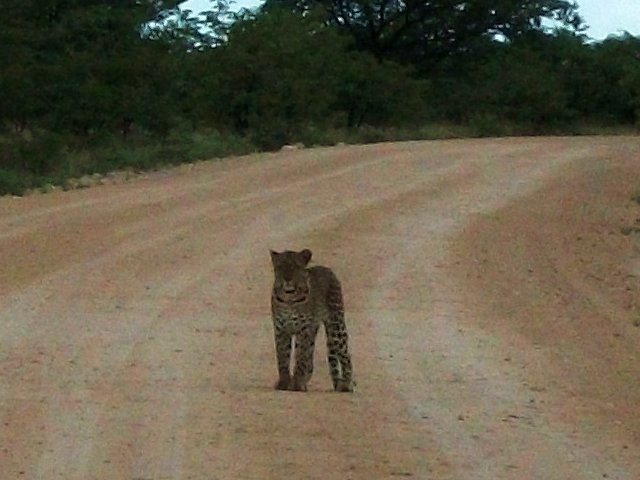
(291, 283)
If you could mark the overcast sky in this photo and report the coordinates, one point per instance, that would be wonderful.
(604, 17)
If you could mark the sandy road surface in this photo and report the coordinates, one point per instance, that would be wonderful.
(490, 298)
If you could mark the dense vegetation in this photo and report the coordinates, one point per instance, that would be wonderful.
(95, 85)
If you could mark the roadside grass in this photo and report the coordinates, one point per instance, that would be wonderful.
(13, 182)
(593, 129)
(38, 162)
(44, 160)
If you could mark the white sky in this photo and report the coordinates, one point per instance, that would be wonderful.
(604, 17)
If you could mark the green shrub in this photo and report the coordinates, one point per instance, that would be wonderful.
(213, 144)
(13, 182)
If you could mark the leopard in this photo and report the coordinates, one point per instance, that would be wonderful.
(302, 299)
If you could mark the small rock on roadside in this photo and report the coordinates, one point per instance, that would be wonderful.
(70, 184)
(297, 146)
(48, 188)
(85, 181)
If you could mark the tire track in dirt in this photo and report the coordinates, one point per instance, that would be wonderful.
(153, 358)
(73, 420)
(574, 302)
(477, 406)
(235, 433)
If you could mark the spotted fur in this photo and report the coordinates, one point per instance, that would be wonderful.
(303, 298)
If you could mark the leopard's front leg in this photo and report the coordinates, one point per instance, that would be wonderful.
(283, 353)
(305, 345)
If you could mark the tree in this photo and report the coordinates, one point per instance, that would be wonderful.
(281, 74)
(76, 65)
(424, 32)
(614, 90)
(278, 75)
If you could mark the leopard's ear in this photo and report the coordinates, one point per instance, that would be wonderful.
(274, 256)
(305, 256)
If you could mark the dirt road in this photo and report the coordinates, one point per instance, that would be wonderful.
(491, 289)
